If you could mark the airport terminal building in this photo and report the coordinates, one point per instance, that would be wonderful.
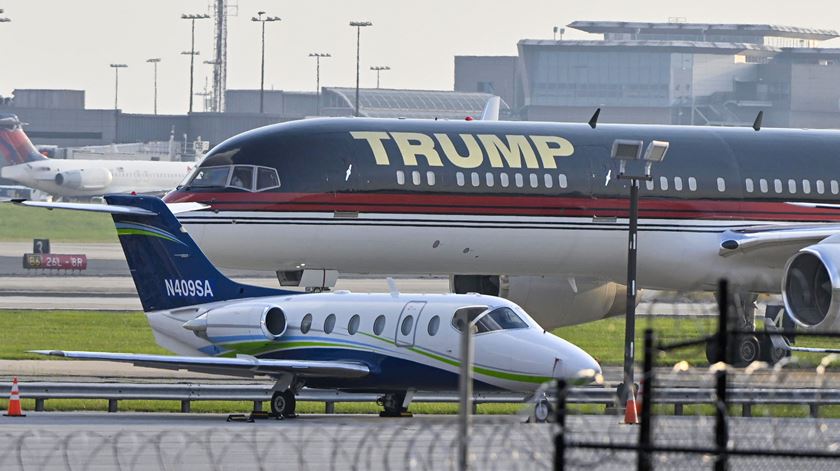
(669, 73)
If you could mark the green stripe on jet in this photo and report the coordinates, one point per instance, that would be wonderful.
(122, 232)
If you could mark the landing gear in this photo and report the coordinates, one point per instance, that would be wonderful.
(543, 410)
(283, 404)
(395, 404)
(744, 349)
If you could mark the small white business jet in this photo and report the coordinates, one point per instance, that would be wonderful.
(392, 343)
(22, 162)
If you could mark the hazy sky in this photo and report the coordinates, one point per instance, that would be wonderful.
(64, 44)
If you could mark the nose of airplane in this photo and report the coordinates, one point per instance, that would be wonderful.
(576, 363)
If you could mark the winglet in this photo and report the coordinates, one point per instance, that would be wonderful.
(593, 121)
(758, 120)
(392, 287)
(491, 109)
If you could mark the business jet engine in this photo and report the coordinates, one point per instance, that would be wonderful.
(240, 321)
(85, 179)
(811, 287)
(553, 301)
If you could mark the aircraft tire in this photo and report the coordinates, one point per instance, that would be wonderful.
(543, 411)
(746, 350)
(283, 403)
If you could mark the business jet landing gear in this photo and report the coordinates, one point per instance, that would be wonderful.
(395, 404)
(283, 404)
(742, 349)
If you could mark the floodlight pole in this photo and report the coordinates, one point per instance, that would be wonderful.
(259, 18)
(192, 52)
(318, 56)
(378, 69)
(358, 25)
(154, 61)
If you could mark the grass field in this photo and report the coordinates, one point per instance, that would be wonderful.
(18, 223)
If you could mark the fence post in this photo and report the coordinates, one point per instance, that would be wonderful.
(560, 419)
(721, 404)
(645, 439)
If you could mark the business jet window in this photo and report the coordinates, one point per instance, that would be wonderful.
(306, 324)
(242, 178)
(379, 325)
(329, 324)
(471, 311)
(267, 178)
(210, 177)
(353, 325)
(434, 325)
(407, 324)
(502, 318)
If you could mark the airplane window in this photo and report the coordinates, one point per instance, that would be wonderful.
(692, 183)
(502, 318)
(503, 179)
(763, 185)
(820, 187)
(210, 177)
(415, 177)
(535, 182)
(434, 325)
(430, 178)
(777, 185)
(650, 185)
(472, 313)
(518, 178)
(475, 179)
(678, 183)
(242, 178)
(459, 177)
(400, 177)
(835, 188)
(806, 186)
(379, 325)
(407, 324)
(488, 177)
(561, 179)
(721, 184)
(549, 180)
(306, 324)
(749, 185)
(353, 325)
(792, 186)
(329, 324)
(663, 183)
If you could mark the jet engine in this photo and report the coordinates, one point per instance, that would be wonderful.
(85, 179)
(553, 301)
(811, 287)
(240, 321)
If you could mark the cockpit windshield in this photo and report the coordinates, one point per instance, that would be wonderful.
(210, 177)
(485, 320)
(242, 177)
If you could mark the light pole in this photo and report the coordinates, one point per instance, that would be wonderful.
(155, 61)
(259, 18)
(192, 52)
(117, 68)
(358, 25)
(379, 68)
(318, 56)
(630, 152)
(3, 19)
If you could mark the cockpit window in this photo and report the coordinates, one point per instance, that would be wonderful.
(267, 178)
(210, 177)
(502, 318)
(243, 177)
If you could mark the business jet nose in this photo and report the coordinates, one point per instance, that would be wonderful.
(577, 364)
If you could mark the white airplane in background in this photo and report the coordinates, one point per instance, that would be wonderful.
(391, 343)
(80, 178)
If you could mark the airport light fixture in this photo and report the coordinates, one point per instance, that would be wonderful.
(268, 19)
(358, 25)
(3, 19)
(318, 56)
(192, 52)
(378, 69)
(155, 61)
(117, 68)
(629, 155)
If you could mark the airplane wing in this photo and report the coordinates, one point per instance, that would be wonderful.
(176, 208)
(739, 241)
(242, 365)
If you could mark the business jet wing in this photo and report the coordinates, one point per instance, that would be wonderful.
(242, 365)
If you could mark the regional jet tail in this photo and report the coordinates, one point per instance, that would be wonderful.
(21, 162)
(391, 343)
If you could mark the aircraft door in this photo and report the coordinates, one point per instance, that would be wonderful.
(407, 323)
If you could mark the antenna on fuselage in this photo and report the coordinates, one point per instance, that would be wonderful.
(392, 287)
(593, 121)
(758, 120)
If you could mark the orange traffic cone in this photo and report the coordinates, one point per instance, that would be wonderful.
(631, 416)
(639, 402)
(14, 402)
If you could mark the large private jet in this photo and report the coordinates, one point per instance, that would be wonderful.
(80, 178)
(391, 343)
(530, 211)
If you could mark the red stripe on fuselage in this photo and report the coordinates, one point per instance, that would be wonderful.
(514, 205)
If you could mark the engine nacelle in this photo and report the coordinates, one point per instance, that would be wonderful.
(553, 301)
(85, 179)
(240, 322)
(811, 287)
